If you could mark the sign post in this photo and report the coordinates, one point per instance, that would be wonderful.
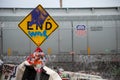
(38, 25)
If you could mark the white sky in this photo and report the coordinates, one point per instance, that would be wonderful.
(91, 3)
(56, 3)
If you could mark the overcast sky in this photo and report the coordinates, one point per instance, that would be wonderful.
(56, 3)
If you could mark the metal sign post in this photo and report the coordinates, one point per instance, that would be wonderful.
(38, 76)
(38, 25)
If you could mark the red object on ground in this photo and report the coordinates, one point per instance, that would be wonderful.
(65, 78)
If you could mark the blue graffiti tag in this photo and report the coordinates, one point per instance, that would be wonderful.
(38, 17)
(13, 75)
(38, 33)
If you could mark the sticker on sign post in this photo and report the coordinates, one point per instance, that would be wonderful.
(38, 25)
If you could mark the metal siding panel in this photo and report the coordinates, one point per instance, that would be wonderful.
(102, 41)
(118, 35)
(80, 42)
(65, 36)
(15, 39)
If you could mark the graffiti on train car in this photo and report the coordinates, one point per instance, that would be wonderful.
(9, 71)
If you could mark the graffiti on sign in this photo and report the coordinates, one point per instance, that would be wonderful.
(38, 25)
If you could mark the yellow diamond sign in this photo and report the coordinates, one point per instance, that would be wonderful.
(38, 25)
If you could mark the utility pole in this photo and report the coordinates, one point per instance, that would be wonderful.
(60, 3)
